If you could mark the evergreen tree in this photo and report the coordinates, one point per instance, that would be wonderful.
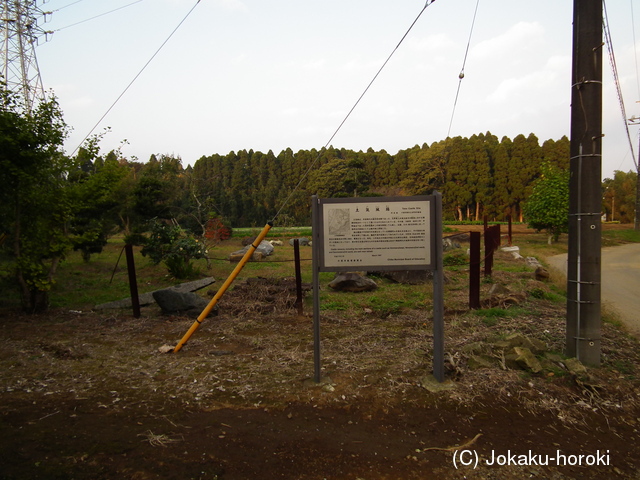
(95, 194)
(547, 208)
(502, 199)
(524, 168)
(426, 170)
(557, 152)
(458, 196)
(34, 202)
(480, 181)
(620, 196)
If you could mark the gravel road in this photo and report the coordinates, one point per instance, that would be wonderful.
(620, 282)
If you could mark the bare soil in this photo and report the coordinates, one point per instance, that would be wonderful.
(89, 396)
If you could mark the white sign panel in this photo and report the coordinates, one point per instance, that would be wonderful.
(376, 233)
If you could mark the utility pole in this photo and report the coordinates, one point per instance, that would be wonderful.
(585, 197)
(20, 34)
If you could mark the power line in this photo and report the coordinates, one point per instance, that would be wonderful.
(464, 62)
(616, 80)
(136, 77)
(68, 5)
(635, 52)
(428, 2)
(94, 17)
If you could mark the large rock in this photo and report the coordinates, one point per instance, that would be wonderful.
(302, 241)
(147, 298)
(408, 277)
(352, 282)
(575, 367)
(533, 344)
(235, 257)
(247, 241)
(527, 360)
(264, 250)
(449, 243)
(515, 251)
(477, 362)
(532, 262)
(459, 237)
(173, 302)
(541, 274)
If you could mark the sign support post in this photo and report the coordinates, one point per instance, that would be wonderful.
(438, 293)
(379, 233)
(315, 249)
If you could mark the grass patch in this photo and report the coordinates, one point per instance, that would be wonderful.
(334, 305)
(624, 366)
(490, 316)
(274, 232)
(456, 257)
(542, 294)
(620, 237)
(387, 306)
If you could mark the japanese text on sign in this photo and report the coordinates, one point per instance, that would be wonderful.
(376, 234)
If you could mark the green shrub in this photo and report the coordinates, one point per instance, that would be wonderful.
(455, 257)
(172, 246)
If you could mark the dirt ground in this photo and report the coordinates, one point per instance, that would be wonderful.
(89, 396)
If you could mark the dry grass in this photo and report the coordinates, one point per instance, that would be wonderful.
(259, 352)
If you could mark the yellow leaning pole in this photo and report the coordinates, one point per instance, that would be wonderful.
(224, 287)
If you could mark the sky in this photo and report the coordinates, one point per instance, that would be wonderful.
(271, 75)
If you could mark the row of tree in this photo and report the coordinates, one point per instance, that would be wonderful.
(477, 176)
(51, 203)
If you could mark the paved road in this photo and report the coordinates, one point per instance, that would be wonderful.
(620, 282)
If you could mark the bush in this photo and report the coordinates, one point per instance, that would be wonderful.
(170, 244)
(216, 230)
(456, 257)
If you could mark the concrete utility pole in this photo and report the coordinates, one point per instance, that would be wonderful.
(20, 34)
(585, 196)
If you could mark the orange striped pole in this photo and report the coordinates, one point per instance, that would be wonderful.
(223, 288)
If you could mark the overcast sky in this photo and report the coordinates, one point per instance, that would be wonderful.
(267, 75)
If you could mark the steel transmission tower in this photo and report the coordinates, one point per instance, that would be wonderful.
(20, 34)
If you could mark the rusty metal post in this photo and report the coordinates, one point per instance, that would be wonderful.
(474, 270)
(133, 283)
(488, 252)
(510, 237)
(296, 256)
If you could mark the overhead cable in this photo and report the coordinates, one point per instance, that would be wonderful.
(464, 62)
(635, 51)
(96, 16)
(136, 77)
(616, 80)
(68, 5)
(428, 2)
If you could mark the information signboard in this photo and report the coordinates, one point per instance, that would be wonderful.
(378, 233)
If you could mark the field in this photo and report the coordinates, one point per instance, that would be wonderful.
(87, 394)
